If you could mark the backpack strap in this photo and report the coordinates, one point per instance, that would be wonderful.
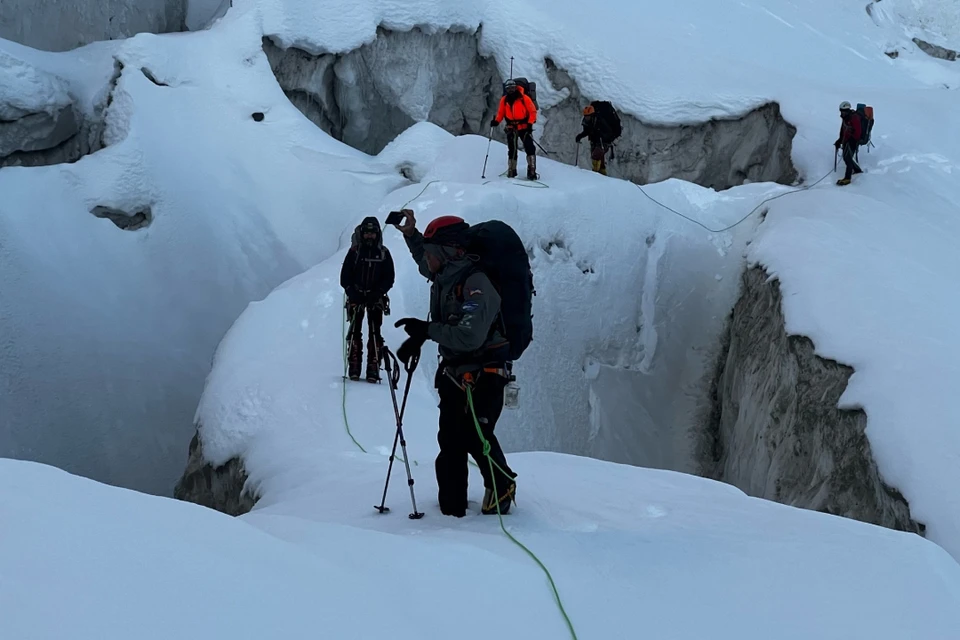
(498, 322)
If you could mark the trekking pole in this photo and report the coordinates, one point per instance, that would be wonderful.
(836, 152)
(483, 174)
(576, 158)
(538, 144)
(393, 377)
(511, 66)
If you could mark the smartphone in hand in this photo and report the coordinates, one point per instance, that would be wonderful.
(395, 218)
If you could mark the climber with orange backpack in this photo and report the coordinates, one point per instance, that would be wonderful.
(520, 113)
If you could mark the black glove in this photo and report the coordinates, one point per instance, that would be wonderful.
(494, 123)
(409, 349)
(579, 137)
(414, 327)
(836, 144)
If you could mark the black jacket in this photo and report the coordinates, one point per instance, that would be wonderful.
(367, 274)
(594, 130)
(463, 325)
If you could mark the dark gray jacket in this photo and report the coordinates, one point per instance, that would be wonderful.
(462, 329)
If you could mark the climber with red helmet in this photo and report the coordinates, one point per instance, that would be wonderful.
(595, 131)
(464, 308)
(849, 139)
(518, 110)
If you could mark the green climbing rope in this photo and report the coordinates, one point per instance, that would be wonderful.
(486, 452)
(536, 183)
(343, 404)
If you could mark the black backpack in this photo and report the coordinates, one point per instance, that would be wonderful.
(608, 121)
(501, 256)
(529, 88)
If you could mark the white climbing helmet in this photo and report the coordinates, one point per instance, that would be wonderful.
(845, 106)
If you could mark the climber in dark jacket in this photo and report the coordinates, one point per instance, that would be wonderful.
(464, 308)
(849, 139)
(595, 131)
(366, 276)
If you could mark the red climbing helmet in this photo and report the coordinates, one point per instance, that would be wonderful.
(445, 230)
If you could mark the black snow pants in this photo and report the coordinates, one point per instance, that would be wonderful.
(355, 316)
(458, 437)
(850, 159)
(526, 137)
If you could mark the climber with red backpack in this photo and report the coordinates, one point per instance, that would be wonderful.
(481, 320)
(855, 130)
(520, 113)
(367, 274)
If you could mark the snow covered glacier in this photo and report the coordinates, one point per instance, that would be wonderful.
(262, 199)
(616, 385)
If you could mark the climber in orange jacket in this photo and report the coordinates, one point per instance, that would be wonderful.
(518, 110)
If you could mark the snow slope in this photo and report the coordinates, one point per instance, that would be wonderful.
(662, 289)
(108, 334)
(895, 221)
(658, 554)
(872, 285)
(632, 550)
(807, 56)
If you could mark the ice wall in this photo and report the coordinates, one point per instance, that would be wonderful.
(58, 25)
(776, 431)
(368, 96)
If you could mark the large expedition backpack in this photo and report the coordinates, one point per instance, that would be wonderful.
(865, 113)
(607, 120)
(501, 256)
(529, 88)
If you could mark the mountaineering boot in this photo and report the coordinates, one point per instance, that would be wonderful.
(354, 357)
(843, 182)
(511, 167)
(531, 168)
(596, 166)
(489, 505)
(373, 367)
(374, 348)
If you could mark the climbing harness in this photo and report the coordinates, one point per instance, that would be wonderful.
(486, 452)
(741, 220)
(393, 377)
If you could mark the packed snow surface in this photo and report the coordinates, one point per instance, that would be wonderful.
(111, 332)
(107, 335)
(872, 284)
(629, 549)
(808, 58)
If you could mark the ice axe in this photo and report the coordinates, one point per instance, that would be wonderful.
(538, 144)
